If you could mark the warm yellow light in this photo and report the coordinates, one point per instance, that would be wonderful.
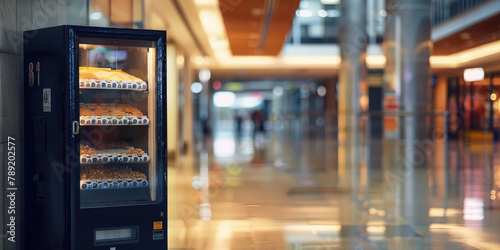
(375, 61)
(201, 60)
(375, 229)
(216, 43)
(364, 101)
(444, 226)
(440, 212)
(180, 60)
(313, 228)
(438, 62)
(458, 59)
(493, 98)
(311, 60)
(223, 53)
(372, 211)
(478, 52)
(238, 61)
(375, 223)
(212, 22)
(206, 2)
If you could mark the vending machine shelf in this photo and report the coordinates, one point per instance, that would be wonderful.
(113, 159)
(114, 85)
(113, 120)
(113, 184)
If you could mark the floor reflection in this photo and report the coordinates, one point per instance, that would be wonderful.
(285, 190)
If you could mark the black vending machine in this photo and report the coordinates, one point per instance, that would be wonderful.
(95, 131)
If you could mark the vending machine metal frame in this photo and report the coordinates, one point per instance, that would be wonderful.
(54, 218)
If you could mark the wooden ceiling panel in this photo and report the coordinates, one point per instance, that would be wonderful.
(281, 23)
(245, 20)
(484, 32)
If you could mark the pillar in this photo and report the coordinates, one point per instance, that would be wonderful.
(353, 41)
(407, 46)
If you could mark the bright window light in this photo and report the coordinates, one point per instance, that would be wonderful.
(248, 101)
(204, 75)
(95, 15)
(224, 99)
(473, 209)
(322, 13)
(330, 1)
(278, 91)
(333, 13)
(196, 87)
(321, 91)
(304, 13)
(224, 147)
(212, 22)
(475, 74)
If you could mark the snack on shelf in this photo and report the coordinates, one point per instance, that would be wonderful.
(138, 114)
(118, 110)
(105, 173)
(137, 151)
(100, 177)
(86, 112)
(101, 78)
(114, 158)
(87, 75)
(86, 150)
(107, 74)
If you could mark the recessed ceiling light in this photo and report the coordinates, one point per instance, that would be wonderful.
(465, 36)
(257, 12)
(253, 35)
(330, 1)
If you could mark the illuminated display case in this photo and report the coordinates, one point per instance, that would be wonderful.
(95, 138)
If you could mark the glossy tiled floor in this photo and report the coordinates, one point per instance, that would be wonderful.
(286, 191)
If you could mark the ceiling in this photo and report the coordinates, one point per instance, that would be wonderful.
(257, 27)
(240, 25)
(284, 73)
(481, 33)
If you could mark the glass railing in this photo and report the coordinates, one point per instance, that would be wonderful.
(444, 10)
(317, 22)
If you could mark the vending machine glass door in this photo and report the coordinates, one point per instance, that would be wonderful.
(117, 122)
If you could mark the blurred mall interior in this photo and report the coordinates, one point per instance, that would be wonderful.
(313, 124)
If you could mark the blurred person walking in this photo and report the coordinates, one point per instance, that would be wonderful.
(258, 124)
